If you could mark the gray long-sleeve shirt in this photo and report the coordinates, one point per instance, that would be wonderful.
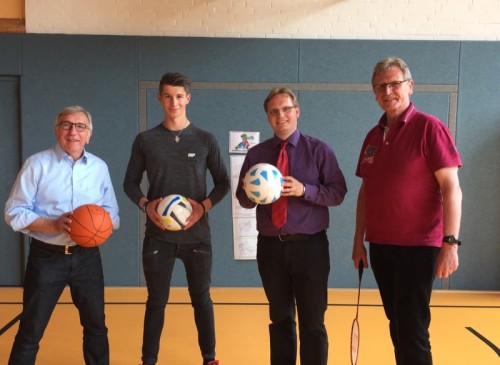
(177, 168)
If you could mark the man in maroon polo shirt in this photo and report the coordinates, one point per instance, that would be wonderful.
(409, 209)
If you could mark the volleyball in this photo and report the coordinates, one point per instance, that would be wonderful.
(174, 210)
(263, 183)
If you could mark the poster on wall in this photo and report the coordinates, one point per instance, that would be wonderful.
(241, 142)
(244, 220)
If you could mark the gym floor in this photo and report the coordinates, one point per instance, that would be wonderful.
(465, 328)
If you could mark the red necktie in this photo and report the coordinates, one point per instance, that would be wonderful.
(279, 206)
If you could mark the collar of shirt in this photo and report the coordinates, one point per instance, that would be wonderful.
(293, 139)
(405, 117)
(62, 154)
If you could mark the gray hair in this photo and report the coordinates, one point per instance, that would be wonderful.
(389, 62)
(73, 110)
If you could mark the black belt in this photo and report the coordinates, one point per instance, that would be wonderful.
(296, 237)
(66, 249)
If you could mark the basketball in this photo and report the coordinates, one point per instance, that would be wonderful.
(263, 183)
(174, 210)
(90, 225)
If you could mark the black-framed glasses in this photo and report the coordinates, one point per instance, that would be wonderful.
(80, 127)
(284, 110)
(394, 85)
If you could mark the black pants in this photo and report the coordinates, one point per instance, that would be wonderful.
(295, 275)
(47, 274)
(158, 259)
(405, 276)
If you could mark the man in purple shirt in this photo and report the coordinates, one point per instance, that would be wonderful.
(294, 260)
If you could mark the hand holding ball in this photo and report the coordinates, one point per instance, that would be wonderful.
(90, 225)
(263, 183)
(174, 210)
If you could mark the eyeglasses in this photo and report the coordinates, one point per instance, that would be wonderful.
(80, 127)
(284, 110)
(394, 85)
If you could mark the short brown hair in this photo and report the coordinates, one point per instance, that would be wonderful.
(175, 79)
(281, 90)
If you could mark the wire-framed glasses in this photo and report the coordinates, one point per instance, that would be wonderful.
(394, 85)
(284, 110)
(80, 127)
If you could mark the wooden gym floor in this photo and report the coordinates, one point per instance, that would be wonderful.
(465, 328)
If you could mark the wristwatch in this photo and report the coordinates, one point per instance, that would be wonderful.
(143, 206)
(451, 240)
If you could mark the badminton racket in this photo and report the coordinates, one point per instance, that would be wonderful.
(355, 323)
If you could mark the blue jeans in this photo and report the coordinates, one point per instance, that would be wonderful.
(295, 274)
(158, 258)
(405, 276)
(47, 274)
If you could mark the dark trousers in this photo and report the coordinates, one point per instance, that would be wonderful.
(158, 259)
(405, 276)
(47, 274)
(295, 275)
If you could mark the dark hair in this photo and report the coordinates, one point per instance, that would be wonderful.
(389, 62)
(281, 90)
(175, 79)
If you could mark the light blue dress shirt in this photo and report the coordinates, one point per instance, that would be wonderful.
(50, 184)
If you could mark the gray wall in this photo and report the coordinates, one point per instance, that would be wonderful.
(458, 81)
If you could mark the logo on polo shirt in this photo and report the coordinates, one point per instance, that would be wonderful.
(369, 154)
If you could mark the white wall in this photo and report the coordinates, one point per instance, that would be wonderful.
(322, 19)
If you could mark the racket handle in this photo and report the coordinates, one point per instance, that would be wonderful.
(360, 270)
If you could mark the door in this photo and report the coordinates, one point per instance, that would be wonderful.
(11, 243)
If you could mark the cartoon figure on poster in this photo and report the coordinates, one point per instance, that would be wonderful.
(241, 142)
(244, 144)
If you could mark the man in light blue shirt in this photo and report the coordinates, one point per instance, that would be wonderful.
(50, 185)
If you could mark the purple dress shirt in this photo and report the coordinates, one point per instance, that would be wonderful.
(313, 163)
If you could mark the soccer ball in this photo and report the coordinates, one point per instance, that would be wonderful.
(174, 210)
(263, 183)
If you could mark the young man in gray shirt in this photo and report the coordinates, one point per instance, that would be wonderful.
(176, 156)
